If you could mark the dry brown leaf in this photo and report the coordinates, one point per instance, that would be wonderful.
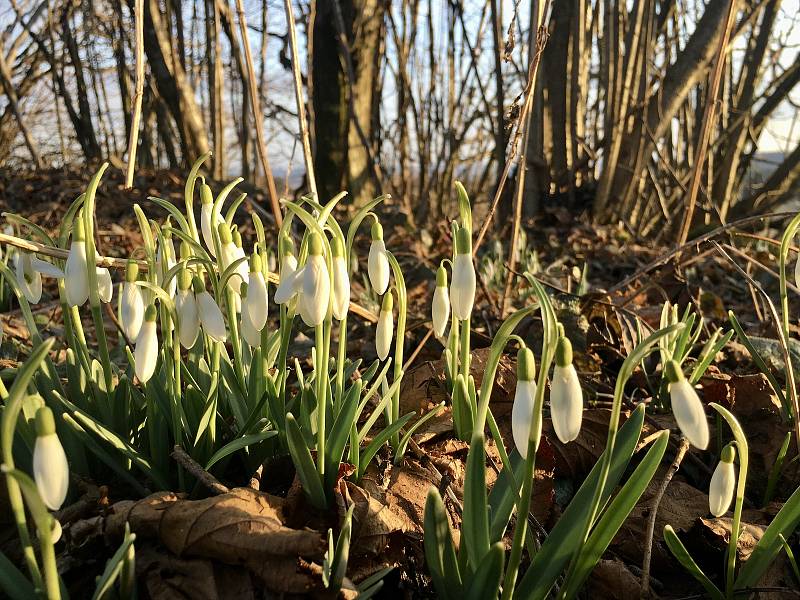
(243, 526)
(373, 521)
(612, 579)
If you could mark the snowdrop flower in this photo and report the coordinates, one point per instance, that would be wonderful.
(241, 268)
(286, 284)
(255, 302)
(686, 407)
(209, 312)
(76, 280)
(105, 287)
(566, 396)
(250, 333)
(165, 260)
(131, 302)
(29, 271)
(146, 351)
(441, 303)
(341, 280)
(186, 307)
(230, 253)
(50, 468)
(55, 530)
(723, 482)
(378, 262)
(385, 328)
(315, 284)
(208, 222)
(462, 290)
(524, 424)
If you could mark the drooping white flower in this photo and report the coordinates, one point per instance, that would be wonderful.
(378, 262)
(50, 468)
(146, 351)
(566, 396)
(315, 284)
(286, 281)
(462, 290)
(440, 309)
(209, 313)
(230, 253)
(76, 279)
(686, 407)
(255, 302)
(186, 307)
(385, 328)
(208, 221)
(525, 425)
(131, 303)
(249, 332)
(723, 483)
(341, 280)
(105, 287)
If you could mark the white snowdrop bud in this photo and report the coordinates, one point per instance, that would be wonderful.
(686, 407)
(207, 220)
(131, 303)
(566, 396)
(286, 283)
(250, 333)
(378, 262)
(146, 351)
(462, 290)
(256, 301)
(209, 313)
(76, 280)
(243, 274)
(186, 307)
(440, 308)
(28, 278)
(385, 328)
(723, 482)
(524, 424)
(165, 260)
(105, 287)
(341, 281)
(229, 254)
(316, 284)
(50, 468)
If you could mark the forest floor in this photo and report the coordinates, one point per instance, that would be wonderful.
(601, 321)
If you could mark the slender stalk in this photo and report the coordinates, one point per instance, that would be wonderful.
(319, 367)
(133, 140)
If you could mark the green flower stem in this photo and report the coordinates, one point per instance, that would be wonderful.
(399, 341)
(235, 343)
(319, 367)
(464, 356)
(741, 482)
(188, 193)
(341, 355)
(786, 241)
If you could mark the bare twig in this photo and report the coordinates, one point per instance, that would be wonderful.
(301, 103)
(651, 518)
(198, 472)
(133, 140)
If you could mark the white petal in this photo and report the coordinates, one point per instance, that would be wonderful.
(256, 301)
(341, 288)
(383, 334)
(689, 413)
(29, 280)
(131, 309)
(250, 334)
(211, 317)
(50, 470)
(47, 269)
(440, 310)
(286, 286)
(76, 282)
(566, 403)
(316, 290)
(164, 265)
(146, 351)
(105, 287)
(205, 226)
(720, 491)
(378, 267)
(522, 416)
(188, 318)
(462, 288)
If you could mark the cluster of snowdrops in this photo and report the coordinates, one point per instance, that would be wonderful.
(199, 364)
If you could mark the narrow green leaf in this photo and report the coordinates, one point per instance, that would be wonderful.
(238, 444)
(680, 552)
(475, 524)
(13, 583)
(306, 470)
(485, 583)
(440, 553)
